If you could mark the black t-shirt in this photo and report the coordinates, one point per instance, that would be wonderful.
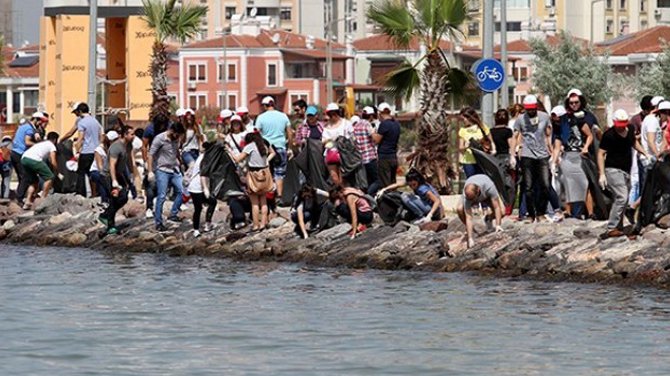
(501, 135)
(389, 129)
(619, 149)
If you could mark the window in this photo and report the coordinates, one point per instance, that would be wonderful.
(30, 98)
(623, 27)
(511, 26)
(663, 4)
(295, 97)
(259, 11)
(608, 4)
(196, 101)
(643, 5)
(197, 72)
(622, 4)
(609, 29)
(473, 29)
(643, 24)
(272, 74)
(549, 3)
(521, 74)
(230, 11)
(513, 4)
(232, 101)
(285, 13)
(232, 72)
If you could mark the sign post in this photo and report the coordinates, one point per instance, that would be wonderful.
(490, 75)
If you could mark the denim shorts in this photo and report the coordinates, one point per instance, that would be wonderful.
(280, 163)
(189, 156)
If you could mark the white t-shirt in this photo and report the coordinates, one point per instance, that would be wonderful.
(191, 141)
(239, 138)
(40, 151)
(100, 150)
(651, 124)
(343, 129)
(256, 160)
(195, 186)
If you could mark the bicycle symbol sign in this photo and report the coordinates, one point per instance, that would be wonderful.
(490, 74)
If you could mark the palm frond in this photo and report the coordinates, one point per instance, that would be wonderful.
(395, 20)
(403, 81)
(186, 22)
(460, 83)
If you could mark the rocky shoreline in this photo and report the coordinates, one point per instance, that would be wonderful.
(569, 251)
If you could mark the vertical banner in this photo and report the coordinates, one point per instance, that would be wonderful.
(139, 42)
(47, 93)
(115, 47)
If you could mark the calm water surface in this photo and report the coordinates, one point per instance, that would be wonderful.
(76, 312)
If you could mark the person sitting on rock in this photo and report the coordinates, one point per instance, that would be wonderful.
(479, 189)
(34, 165)
(307, 208)
(351, 204)
(424, 203)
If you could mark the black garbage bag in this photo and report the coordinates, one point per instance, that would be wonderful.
(351, 163)
(655, 199)
(328, 217)
(291, 182)
(224, 181)
(496, 169)
(602, 200)
(68, 184)
(310, 162)
(390, 208)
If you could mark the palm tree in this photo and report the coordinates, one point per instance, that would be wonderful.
(431, 22)
(168, 21)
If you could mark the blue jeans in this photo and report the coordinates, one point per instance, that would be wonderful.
(189, 157)
(5, 176)
(471, 169)
(97, 179)
(415, 204)
(163, 181)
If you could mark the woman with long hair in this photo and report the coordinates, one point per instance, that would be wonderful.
(351, 204)
(100, 158)
(193, 138)
(336, 127)
(473, 130)
(307, 207)
(503, 138)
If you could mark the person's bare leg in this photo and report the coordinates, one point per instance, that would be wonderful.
(47, 188)
(29, 195)
(589, 204)
(280, 187)
(264, 211)
(255, 209)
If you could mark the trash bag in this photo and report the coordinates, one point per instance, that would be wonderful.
(602, 200)
(655, 199)
(390, 208)
(328, 217)
(310, 162)
(351, 163)
(496, 169)
(69, 182)
(224, 181)
(291, 182)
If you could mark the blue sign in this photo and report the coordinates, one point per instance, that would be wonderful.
(489, 74)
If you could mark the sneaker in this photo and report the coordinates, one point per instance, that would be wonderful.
(140, 199)
(149, 213)
(161, 228)
(103, 220)
(196, 233)
(557, 217)
(112, 231)
(208, 227)
(27, 206)
(614, 233)
(183, 207)
(362, 228)
(174, 218)
(239, 225)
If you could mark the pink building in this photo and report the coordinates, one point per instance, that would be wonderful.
(278, 63)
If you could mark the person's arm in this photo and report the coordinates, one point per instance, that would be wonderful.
(288, 130)
(198, 134)
(469, 227)
(487, 134)
(602, 179)
(436, 204)
(589, 138)
(53, 161)
(351, 202)
(463, 145)
(638, 147)
(547, 139)
(301, 222)
(205, 186)
(145, 149)
(497, 210)
(240, 157)
(112, 171)
(377, 136)
(652, 143)
(28, 140)
(79, 143)
(69, 133)
(98, 161)
(271, 153)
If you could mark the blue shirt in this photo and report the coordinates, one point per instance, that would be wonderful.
(91, 129)
(389, 129)
(19, 145)
(422, 192)
(272, 125)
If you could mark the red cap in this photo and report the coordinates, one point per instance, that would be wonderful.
(620, 123)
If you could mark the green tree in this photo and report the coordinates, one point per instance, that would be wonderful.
(654, 78)
(168, 21)
(430, 22)
(570, 64)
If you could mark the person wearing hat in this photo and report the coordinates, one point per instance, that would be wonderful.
(336, 127)
(615, 158)
(24, 138)
(223, 124)
(386, 137)
(275, 127)
(235, 138)
(247, 123)
(532, 133)
(90, 135)
(35, 167)
(311, 128)
(5, 166)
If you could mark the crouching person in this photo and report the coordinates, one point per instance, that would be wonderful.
(479, 189)
(307, 208)
(424, 202)
(115, 179)
(351, 204)
(34, 166)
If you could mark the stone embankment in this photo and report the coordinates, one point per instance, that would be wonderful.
(569, 251)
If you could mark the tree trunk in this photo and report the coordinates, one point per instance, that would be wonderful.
(160, 100)
(430, 157)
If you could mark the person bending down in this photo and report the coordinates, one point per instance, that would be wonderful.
(424, 203)
(307, 208)
(351, 204)
(33, 164)
(479, 189)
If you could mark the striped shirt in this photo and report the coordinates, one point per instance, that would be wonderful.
(364, 143)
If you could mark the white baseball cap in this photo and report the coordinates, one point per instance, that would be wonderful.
(189, 111)
(112, 135)
(355, 119)
(620, 118)
(225, 113)
(332, 107)
(384, 107)
(137, 143)
(236, 118)
(558, 111)
(39, 115)
(75, 106)
(268, 100)
(368, 110)
(180, 112)
(574, 92)
(242, 110)
(530, 102)
(664, 105)
(656, 100)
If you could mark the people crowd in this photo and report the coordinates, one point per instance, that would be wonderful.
(329, 166)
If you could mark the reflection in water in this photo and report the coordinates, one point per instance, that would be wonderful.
(66, 311)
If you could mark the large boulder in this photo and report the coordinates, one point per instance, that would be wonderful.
(60, 203)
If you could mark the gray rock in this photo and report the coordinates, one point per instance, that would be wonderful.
(60, 218)
(335, 232)
(8, 225)
(277, 222)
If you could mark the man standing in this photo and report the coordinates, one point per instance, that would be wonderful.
(387, 137)
(275, 127)
(35, 167)
(114, 178)
(479, 189)
(533, 133)
(366, 146)
(88, 139)
(651, 137)
(312, 128)
(615, 158)
(299, 108)
(164, 156)
(23, 139)
(158, 125)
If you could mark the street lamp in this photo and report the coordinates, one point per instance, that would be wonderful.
(329, 56)
(224, 68)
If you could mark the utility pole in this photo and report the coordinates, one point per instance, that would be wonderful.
(329, 54)
(487, 98)
(503, 53)
(92, 53)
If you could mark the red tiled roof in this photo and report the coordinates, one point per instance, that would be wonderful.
(17, 72)
(263, 40)
(477, 54)
(272, 91)
(382, 42)
(523, 46)
(645, 41)
(314, 54)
